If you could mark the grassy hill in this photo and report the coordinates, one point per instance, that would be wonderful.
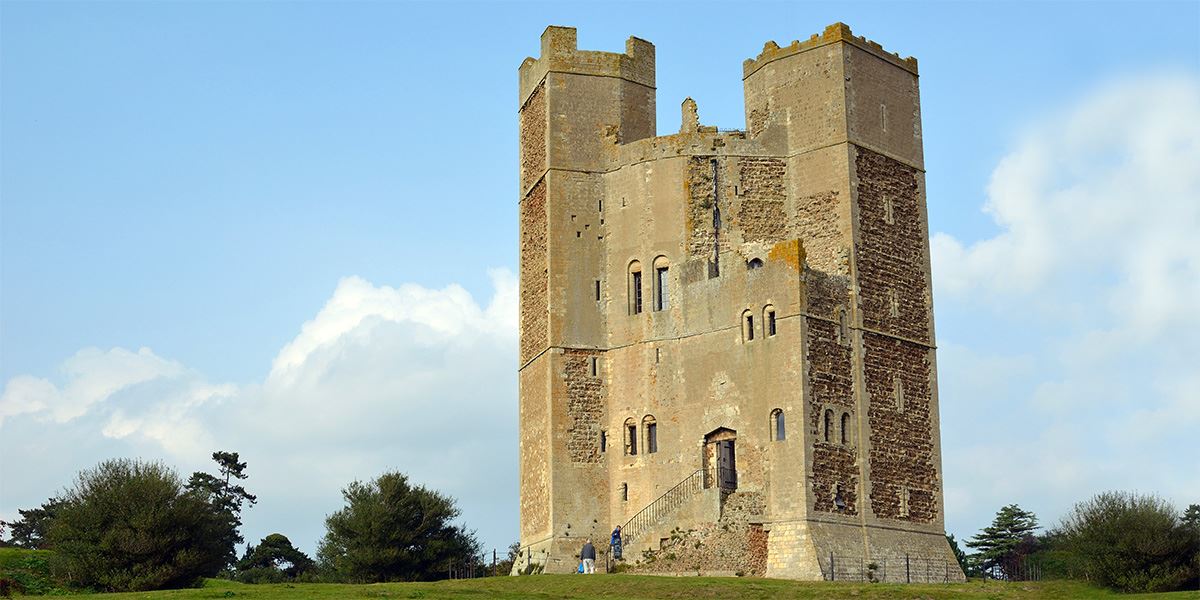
(616, 587)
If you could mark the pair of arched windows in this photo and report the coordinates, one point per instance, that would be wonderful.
(834, 434)
(660, 296)
(768, 323)
(778, 427)
(649, 430)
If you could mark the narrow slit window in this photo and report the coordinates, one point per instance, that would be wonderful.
(624, 492)
(904, 499)
(828, 425)
(898, 393)
(637, 292)
(888, 216)
(843, 335)
(769, 322)
(597, 290)
(635, 288)
(651, 437)
(778, 430)
(883, 116)
(603, 441)
(631, 435)
(893, 303)
(595, 366)
(845, 429)
(660, 283)
(748, 325)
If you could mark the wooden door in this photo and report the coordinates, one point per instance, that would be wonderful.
(726, 465)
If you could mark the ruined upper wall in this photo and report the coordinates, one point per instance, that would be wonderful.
(561, 54)
(838, 32)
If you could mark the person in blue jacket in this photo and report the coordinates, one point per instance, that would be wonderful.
(616, 543)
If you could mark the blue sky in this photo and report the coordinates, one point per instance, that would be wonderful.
(289, 229)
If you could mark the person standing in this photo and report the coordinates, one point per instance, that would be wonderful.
(588, 554)
(616, 543)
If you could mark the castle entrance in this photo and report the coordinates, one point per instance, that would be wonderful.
(720, 458)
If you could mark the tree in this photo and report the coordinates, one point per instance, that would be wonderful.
(274, 559)
(128, 525)
(1130, 542)
(390, 530)
(226, 497)
(30, 530)
(1009, 539)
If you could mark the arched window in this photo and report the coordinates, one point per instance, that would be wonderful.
(747, 326)
(769, 320)
(661, 289)
(651, 427)
(829, 424)
(845, 429)
(754, 263)
(631, 436)
(635, 287)
(778, 430)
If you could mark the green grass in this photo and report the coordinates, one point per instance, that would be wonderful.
(616, 587)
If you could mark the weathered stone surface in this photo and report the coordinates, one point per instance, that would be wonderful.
(728, 309)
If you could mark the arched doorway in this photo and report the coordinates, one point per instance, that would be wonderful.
(720, 456)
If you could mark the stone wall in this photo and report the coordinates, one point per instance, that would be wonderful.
(535, 454)
(890, 257)
(585, 406)
(533, 136)
(535, 275)
(761, 215)
(816, 222)
(901, 440)
(735, 544)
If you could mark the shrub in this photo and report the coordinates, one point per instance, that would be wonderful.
(1129, 542)
(129, 525)
(26, 571)
(392, 531)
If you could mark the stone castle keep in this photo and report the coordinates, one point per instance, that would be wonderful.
(727, 338)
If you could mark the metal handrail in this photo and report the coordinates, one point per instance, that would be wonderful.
(668, 501)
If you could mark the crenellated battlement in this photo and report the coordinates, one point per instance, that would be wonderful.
(838, 32)
(560, 53)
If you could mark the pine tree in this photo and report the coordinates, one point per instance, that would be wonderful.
(1006, 541)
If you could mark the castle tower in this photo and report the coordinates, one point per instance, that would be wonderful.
(729, 334)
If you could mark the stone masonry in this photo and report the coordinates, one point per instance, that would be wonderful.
(727, 339)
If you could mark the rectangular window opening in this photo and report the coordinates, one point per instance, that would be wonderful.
(770, 322)
(749, 327)
(603, 441)
(595, 365)
(624, 492)
(632, 433)
(597, 290)
(651, 438)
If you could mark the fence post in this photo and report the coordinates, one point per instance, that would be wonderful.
(907, 569)
(832, 569)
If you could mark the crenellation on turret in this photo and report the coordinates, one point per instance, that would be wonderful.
(838, 32)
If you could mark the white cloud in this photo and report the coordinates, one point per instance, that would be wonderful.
(92, 375)
(1090, 284)
(409, 378)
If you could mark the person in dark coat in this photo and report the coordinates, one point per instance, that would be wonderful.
(588, 554)
(616, 543)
